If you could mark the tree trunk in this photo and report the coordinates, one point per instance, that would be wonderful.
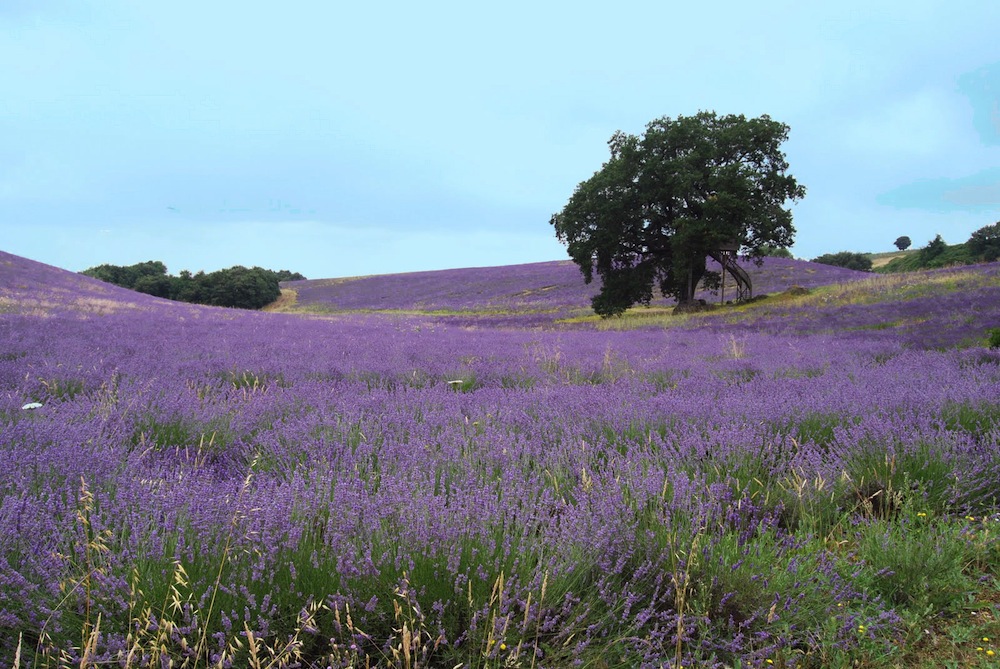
(688, 288)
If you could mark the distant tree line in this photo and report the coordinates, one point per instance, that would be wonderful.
(982, 246)
(857, 261)
(240, 287)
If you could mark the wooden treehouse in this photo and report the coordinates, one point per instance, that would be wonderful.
(726, 256)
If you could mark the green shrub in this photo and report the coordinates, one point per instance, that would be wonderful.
(993, 338)
(916, 562)
(856, 261)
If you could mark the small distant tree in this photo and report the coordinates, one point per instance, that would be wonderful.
(848, 259)
(902, 243)
(985, 242)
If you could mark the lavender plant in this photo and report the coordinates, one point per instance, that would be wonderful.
(266, 489)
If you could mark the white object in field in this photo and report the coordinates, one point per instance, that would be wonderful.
(32, 405)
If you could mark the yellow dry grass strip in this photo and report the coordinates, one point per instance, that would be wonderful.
(285, 302)
(883, 259)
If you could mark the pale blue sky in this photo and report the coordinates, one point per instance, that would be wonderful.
(341, 139)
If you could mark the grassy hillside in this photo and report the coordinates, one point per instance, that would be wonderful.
(883, 259)
(912, 261)
(441, 476)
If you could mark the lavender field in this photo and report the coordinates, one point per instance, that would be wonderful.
(533, 294)
(461, 469)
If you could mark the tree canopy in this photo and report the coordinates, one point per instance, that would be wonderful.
(935, 249)
(665, 200)
(903, 243)
(985, 242)
(768, 251)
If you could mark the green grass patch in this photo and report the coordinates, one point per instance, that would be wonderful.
(60, 389)
(254, 381)
(971, 418)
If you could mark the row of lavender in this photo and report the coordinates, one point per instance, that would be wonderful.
(569, 487)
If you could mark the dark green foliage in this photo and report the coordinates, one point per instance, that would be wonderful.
(240, 287)
(664, 200)
(902, 243)
(190, 288)
(160, 285)
(848, 259)
(286, 275)
(129, 276)
(994, 338)
(775, 251)
(934, 250)
(939, 254)
(985, 243)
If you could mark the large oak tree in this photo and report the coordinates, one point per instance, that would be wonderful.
(665, 200)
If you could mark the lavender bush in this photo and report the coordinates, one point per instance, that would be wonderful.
(363, 489)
